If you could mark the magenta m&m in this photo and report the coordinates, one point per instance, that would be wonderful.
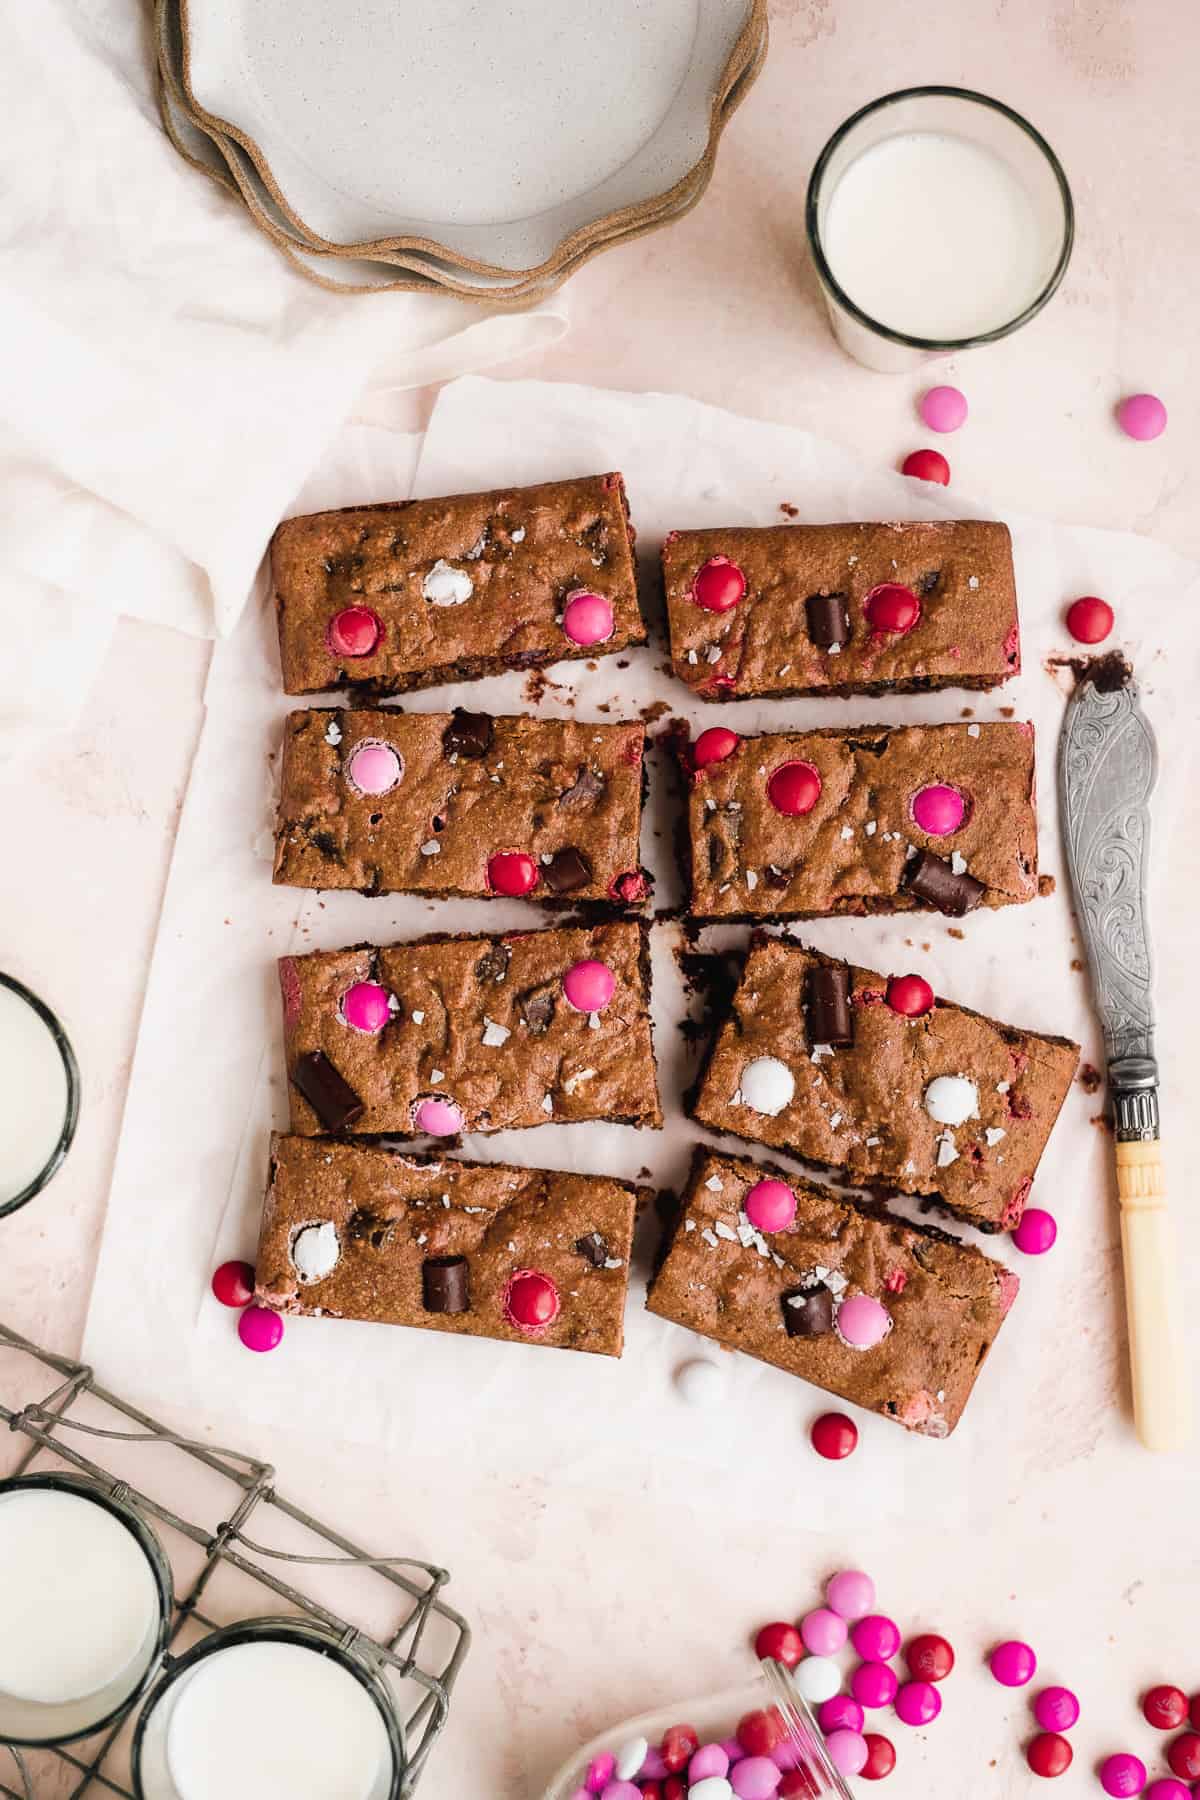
(873, 1685)
(842, 1713)
(715, 745)
(260, 1329)
(1168, 1788)
(588, 618)
(770, 1205)
(862, 1322)
(876, 1638)
(1036, 1232)
(512, 873)
(850, 1593)
(373, 767)
(233, 1283)
(1142, 416)
(589, 986)
(892, 608)
(823, 1631)
(1056, 1709)
(794, 788)
(918, 1703)
(355, 631)
(531, 1301)
(1013, 1663)
(927, 465)
(1122, 1775)
(366, 1006)
(938, 809)
(438, 1117)
(719, 585)
(944, 408)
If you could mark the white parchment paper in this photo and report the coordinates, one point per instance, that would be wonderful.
(207, 1083)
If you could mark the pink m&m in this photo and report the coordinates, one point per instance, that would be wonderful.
(874, 1684)
(601, 1770)
(588, 618)
(842, 1713)
(589, 986)
(710, 1759)
(918, 1702)
(531, 1300)
(794, 788)
(755, 1777)
(862, 1322)
(373, 768)
(938, 809)
(876, 1638)
(354, 631)
(260, 1329)
(1167, 1788)
(719, 585)
(1013, 1663)
(715, 745)
(512, 873)
(1036, 1232)
(850, 1593)
(439, 1118)
(1122, 1775)
(1056, 1709)
(847, 1751)
(233, 1283)
(944, 408)
(770, 1206)
(1142, 416)
(823, 1632)
(892, 607)
(365, 1006)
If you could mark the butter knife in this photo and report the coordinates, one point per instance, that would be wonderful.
(1107, 764)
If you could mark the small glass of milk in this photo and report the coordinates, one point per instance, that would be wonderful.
(938, 219)
(39, 1094)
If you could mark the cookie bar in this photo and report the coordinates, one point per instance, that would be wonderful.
(852, 1071)
(422, 592)
(841, 609)
(530, 1256)
(799, 824)
(461, 804)
(894, 1317)
(450, 1034)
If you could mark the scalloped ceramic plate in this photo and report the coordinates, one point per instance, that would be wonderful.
(501, 139)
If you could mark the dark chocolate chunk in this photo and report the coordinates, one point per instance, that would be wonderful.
(808, 1311)
(331, 1097)
(828, 620)
(567, 871)
(445, 1285)
(830, 1016)
(587, 786)
(468, 734)
(493, 964)
(594, 1248)
(934, 881)
(537, 1010)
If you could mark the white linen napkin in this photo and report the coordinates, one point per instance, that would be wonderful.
(169, 380)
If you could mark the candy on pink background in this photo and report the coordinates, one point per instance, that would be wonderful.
(710, 1759)
(1013, 1663)
(1142, 416)
(233, 1283)
(927, 465)
(755, 1778)
(909, 995)
(1167, 1788)
(620, 1790)
(732, 1749)
(714, 745)
(1056, 1709)
(1122, 1775)
(786, 1754)
(818, 1679)
(719, 585)
(1049, 1755)
(892, 607)
(601, 1770)
(823, 1631)
(929, 1657)
(881, 1757)
(794, 788)
(588, 618)
(365, 1006)
(938, 809)
(1183, 1756)
(531, 1303)
(780, 1642)
(1090, 619)
(653, 1767)
(862, 1322)
(918, 1702)
(944, 408)
(1036, 1232)
(1165, 1707)
(876, 1637)
(847, 1751)
(589, 986)
(834, 1436)
(770, 1205)
(874, 1684)
(679, 1744)
(512, 873)
(260, 1329)
(850, 1593)
(438, 1118)
(355, 631)
(842, 1713)
(373, 767)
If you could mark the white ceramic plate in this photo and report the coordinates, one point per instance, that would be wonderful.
(496, 132)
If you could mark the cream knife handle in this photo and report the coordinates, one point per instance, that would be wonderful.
(1162, 1403)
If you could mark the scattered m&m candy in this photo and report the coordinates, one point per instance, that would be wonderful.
(233, 1283)
(818, 1678)
(531, 1301)
(1165, 1708)
(876, 1638)
(1183, 1756)
(910, 995)
(1142, 416)
(927, 465)
(873, 1684)
(758, 1732)
(719, 585)
(1013, 1663)
(944, 408)
(1167, 1788)
(929, 1657)
(1122, 1775)
(881, 1757)
(823, 1631)
(512, 872)
(1056, 1709)
(918, 1703)
(715, 745)
(1048, 1754)
(794, 788)
(1036, 1232)
(680, 1743)
(850, 1593)
(1090, 619)
(892, 607)
(842, 1713)
(781, 1643)
(260, 1329)
(847, 1751)
(834, 1436)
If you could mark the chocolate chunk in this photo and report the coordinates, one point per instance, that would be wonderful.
(493, 964)
(808, 1311)
(332, 1099)
(830, 1018)
(468, 734)
(828, 620)
(934, 881)
(444, 1284)
(567, 871)
(587, 786)
(594, 1248)
(537, 1010)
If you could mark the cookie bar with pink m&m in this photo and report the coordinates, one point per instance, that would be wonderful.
(895, 1317)
(420, 592)
(879, 1079)
(841, 609)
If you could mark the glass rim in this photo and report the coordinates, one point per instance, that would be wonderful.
(66, 1136)
(802, 1723)
(128, 1515)
(282, 1630)
(834, 287)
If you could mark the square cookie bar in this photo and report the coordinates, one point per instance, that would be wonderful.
(841, 609)
(422, 592)
(461, 804)
(877, 1078)
(894, 1317)
(881, 819)
(451, 1034)
(530, 1256)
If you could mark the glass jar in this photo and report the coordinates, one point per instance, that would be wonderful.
(799, 1746)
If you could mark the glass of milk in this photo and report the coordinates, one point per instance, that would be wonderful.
(938, 219)
(39, 1094)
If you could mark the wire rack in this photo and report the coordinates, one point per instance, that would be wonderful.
(419, 1659)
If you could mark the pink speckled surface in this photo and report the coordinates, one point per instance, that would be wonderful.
(590, 1617)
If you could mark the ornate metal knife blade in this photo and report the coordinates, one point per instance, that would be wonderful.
(1107, 764)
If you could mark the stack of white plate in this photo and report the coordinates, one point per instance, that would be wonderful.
(485, 148)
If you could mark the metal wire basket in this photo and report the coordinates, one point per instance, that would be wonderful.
(418, 1643)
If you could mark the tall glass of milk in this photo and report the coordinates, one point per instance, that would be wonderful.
(938, 219)
(39, 1094)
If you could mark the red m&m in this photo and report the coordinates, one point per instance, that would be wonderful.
(881, 1757)
(1166, 1708)
(355, 631)
(719, 585)
(909, 995)
(714, 745)
(1048, 1754)
(892, 607)
(780, 1643)
(531, 1300)
(233, 1283)
(834, 1436)
(927, 465)
(794, 788)
(929, 1657)
(1089, 619)
(511, 872)
(1183, 1756)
